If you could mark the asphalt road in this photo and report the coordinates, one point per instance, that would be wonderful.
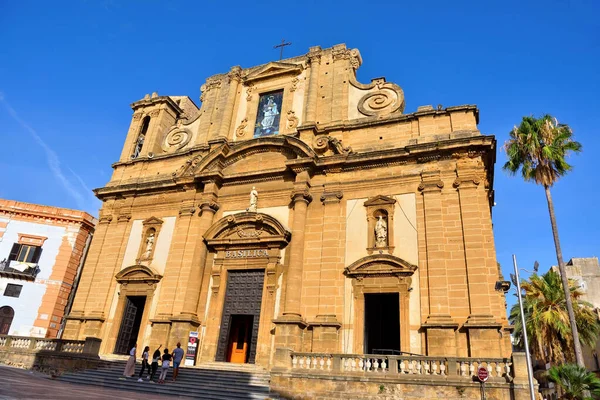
(22, 384)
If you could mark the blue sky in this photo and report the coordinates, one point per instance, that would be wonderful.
(69, 70)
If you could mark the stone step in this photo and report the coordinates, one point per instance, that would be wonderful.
(195, 382)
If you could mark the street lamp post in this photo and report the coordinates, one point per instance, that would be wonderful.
(526, 341)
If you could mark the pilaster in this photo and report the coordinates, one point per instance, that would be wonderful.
(290, 325)
(234, 77)
(440, 326)
(325, 327)
(310, 111)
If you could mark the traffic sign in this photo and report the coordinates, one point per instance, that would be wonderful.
(482, 374)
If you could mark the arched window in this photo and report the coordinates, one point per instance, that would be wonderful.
(6, 317)
(141, 137)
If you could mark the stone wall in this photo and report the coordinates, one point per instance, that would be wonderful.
(319, 387)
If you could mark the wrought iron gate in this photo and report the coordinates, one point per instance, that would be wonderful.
(243, 296)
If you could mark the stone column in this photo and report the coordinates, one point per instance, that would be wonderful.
(234, 79)
(290, 325)
(331, 284)
(310, 110)
(440, 326)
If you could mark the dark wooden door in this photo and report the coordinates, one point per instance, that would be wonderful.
(6, 317)
(243, 296)
(126, 329)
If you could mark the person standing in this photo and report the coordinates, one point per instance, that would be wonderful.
(155, 360)
(130, 366)
(145, 365)
(177, 357)
(166, 361)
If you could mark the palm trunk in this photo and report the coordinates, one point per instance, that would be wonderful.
(565, 281)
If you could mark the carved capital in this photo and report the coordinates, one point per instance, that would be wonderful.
(154, 113)
(187, 211)
(235, 74)
(301, 195)
(209, 206)
(331, 197)
(464, 182)
(105, 218)
(430, 186)
(124, 217)
(314, 58)
(137, 116)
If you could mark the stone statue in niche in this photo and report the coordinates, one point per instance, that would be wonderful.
(138, 146)
(253, 200)
(381, 233)
(149, 245)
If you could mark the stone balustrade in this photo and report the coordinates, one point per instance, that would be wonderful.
(89, 346)
(393, 365)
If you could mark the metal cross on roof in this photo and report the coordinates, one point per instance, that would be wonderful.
(281, 46)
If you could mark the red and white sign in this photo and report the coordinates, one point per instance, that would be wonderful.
(482, 374)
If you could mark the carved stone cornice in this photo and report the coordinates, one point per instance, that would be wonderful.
(332, 197)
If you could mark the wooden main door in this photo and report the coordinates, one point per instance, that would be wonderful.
(130, 324)
(239, 338)
(241, 314)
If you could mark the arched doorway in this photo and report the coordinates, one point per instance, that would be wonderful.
(6, 317)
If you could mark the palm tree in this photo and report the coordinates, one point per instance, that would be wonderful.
(539, 147)
(547, 320)
(575, 381)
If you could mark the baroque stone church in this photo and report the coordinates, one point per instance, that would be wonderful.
(296, 208)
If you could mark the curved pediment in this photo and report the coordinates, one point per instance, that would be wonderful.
(380, 265)
(138, 273)
(245, 229)
(230, 153)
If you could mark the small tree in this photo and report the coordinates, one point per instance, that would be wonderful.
(575, 382)
(539, 148)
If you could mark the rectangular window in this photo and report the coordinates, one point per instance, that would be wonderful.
(25, 253)
(13, 290)
(269, 114)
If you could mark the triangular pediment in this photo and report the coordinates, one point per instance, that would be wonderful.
(379, 201)
(273, 69)
(152, 221)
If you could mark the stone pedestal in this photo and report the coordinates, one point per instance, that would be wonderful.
(181, 328)
(289, 331)
(441, 335)
(484, 336)
(325, 337)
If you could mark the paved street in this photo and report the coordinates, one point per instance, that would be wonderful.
(17, 383)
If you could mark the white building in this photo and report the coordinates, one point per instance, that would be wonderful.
(42, 250)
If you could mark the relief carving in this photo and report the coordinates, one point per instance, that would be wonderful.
(292, 120)
(381, 98)
(249, 91)
(176, 139)
(322, 143)
(137, 116)
(188, 168)
(294, 84)
(154, 113)
(240, 130)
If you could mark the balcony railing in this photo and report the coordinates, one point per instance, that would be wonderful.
(18, 270)
(399, 365)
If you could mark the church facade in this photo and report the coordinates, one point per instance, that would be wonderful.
(299, 209)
